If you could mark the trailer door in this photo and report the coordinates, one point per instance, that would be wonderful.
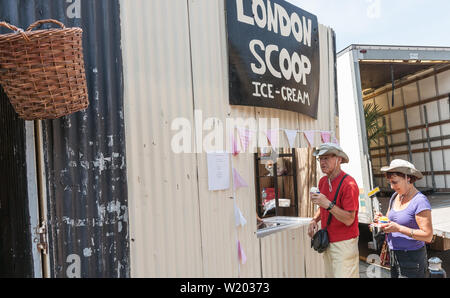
(353, 131)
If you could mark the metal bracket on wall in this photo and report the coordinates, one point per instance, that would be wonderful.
(42, 244)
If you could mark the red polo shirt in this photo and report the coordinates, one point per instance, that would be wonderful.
(348, 199)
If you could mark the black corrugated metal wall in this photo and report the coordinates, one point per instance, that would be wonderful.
(15, 234)
(85, 161)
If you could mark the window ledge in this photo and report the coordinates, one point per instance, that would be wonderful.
(281, 223)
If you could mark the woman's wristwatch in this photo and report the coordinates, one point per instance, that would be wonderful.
(332, 204)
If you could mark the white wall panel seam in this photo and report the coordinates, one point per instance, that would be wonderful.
(195, 136)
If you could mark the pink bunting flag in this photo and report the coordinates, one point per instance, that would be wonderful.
(273, 136)
(244, 134)
(326, 136)
(335, 141)
(310, 137)
(238, 181)
(241, 254)
(234, 148)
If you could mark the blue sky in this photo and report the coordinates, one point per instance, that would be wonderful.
(384, 22)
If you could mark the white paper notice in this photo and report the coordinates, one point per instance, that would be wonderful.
(218, 171)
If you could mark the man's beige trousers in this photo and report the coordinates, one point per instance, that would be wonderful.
(342, 259)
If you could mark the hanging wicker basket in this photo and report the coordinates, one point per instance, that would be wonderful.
(42, 71)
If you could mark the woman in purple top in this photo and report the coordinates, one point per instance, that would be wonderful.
(410, 224)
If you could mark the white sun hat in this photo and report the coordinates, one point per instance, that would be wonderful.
(330, 148)
(404, 167)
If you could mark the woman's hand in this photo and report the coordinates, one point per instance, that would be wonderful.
(377, 217)
(391, 227)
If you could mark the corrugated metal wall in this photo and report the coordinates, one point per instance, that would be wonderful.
(163, 187)
(210, 83)
(175, 62)
(86, 158)
(84, 153)
(289, 255)
(15, 240)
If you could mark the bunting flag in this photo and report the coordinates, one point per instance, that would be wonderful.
(310, 137)
(291, 135)
(234, 146)
(326, 136)
(241, 254)
(244, 135)
(272, 135)
(239, 218)
(335, 141)
(238, 181)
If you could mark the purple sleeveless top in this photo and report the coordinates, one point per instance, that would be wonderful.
(407, 218)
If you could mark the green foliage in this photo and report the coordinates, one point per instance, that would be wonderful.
(375, 130)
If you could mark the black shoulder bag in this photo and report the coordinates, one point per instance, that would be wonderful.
(320, 241)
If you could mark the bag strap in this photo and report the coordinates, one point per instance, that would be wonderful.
(392, 200)
(335, 199)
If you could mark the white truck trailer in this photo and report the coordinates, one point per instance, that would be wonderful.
(411, 85)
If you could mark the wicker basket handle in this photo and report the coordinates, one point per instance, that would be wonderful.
(9, 26)
(41, 22)
(15, 29)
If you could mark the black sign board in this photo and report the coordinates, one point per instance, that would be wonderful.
(274, 60)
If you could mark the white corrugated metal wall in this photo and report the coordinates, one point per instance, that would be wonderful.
(175, 62)
(163, 190)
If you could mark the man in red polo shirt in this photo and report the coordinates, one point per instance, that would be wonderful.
(342, 256)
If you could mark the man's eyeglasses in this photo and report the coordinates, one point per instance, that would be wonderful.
(325, 158)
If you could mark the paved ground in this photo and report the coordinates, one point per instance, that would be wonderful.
(372, 271)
